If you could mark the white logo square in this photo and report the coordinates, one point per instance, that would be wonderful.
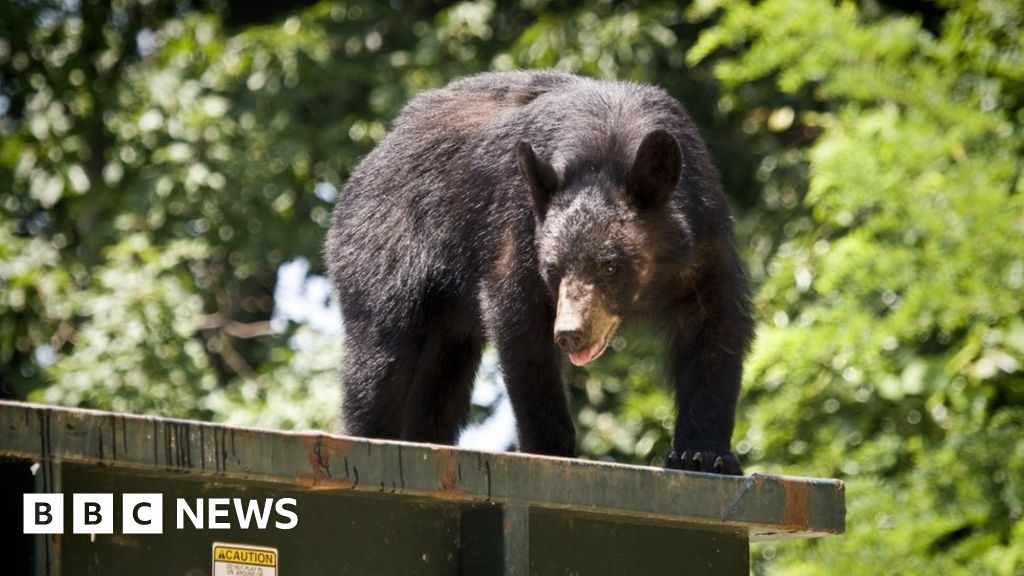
(93, 514)
(43, 513)
(142, 514)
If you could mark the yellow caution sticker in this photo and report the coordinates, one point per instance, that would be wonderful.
(243, 560)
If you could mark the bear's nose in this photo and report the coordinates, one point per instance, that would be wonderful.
(569, 340)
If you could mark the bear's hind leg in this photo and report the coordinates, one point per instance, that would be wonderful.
(376, 374)
(438, 407)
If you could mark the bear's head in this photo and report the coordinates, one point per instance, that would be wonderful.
(601, 235)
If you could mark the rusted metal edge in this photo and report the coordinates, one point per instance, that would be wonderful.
(766, 507)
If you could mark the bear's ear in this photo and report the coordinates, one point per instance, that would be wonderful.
(541, 178)
(656, 169)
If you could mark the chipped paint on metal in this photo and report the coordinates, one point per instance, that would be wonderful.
(796, 514)
(449, 473)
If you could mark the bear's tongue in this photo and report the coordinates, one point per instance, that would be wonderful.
(584, 356)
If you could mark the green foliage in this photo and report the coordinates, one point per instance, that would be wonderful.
(298, 390)
(157, 168)
(33, 295)
(136, 351)
(890, 349)
(625, 411)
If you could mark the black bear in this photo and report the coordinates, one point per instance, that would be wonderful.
(537, 210)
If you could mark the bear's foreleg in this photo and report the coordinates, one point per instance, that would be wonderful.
(712, 336)
(530, 365)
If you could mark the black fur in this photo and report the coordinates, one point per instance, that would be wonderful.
(463, 224)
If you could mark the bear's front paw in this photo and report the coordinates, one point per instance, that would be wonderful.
(704, 461)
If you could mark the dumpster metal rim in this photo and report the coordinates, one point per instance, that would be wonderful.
(766, 507)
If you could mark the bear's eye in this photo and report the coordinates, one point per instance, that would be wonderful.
(609, 269)
(552, 274)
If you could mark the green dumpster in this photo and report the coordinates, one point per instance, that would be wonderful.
(245, 501)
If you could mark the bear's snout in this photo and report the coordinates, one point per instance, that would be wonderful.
(569, 340)
(583, 326)
(571, 317)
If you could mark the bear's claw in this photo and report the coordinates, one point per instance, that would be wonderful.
(704, 461)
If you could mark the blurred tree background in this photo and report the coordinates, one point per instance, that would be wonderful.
(167, 171)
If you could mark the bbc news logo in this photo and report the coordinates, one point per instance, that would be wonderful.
(143, 513)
